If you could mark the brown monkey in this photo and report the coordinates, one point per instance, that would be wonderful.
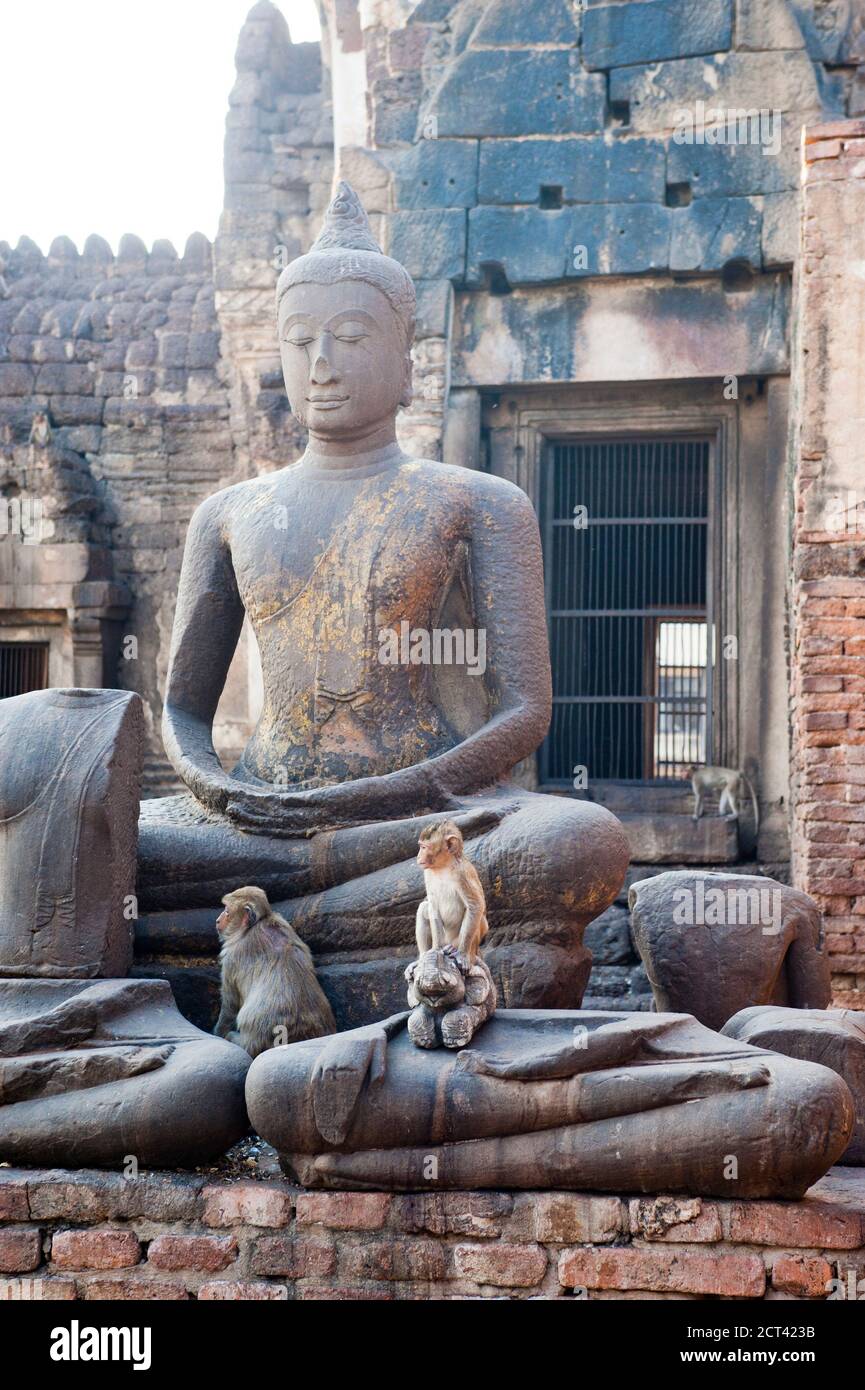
(270, 995)
(729, 781)
(453, 915)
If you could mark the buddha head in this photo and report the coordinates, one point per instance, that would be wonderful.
(345, 317)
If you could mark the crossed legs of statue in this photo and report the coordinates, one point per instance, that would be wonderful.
(549, 865)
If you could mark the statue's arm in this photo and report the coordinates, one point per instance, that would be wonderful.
(207, 623)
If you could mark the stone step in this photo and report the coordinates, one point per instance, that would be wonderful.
(672, 839)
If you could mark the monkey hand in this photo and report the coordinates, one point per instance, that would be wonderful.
(462, 961)
(411, 970)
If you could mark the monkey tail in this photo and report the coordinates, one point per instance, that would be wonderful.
(749, 784)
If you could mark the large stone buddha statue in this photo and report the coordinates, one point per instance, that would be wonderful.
(348, 563)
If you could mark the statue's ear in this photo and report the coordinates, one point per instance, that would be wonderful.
(407, 395)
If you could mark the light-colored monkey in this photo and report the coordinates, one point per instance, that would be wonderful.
(270, 994)
(453, 915)
(731, 782)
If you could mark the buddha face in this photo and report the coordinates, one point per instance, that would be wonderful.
(344, 358)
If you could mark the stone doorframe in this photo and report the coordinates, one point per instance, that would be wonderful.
(749, 552)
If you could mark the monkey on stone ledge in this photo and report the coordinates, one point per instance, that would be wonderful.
(270, 994)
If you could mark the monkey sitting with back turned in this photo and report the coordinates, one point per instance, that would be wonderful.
(731, 782)
(270, 994)
(453, 915)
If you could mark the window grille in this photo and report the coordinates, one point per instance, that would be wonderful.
(23, 667)
(625, 526)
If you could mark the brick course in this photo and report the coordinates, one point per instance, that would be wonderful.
(332, 1246)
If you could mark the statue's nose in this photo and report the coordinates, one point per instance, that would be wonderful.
(322, 370)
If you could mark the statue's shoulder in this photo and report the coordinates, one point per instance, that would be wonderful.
(221, 506)
(485, 488)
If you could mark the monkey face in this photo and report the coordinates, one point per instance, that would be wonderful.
(439, 845)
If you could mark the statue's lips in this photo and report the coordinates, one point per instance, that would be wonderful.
(326, 402)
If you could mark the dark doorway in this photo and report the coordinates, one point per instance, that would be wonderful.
(626, 530)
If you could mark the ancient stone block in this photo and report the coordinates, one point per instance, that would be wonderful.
(394, 1260)
(519, 92)
(514, 23)
(609, 938)
(343, 1211)
(199, 1253)
(617, 35)
(656, 95)
(675, 1219)
(732, 171)
(436, 174)
(478, 1214)
(430, 244)
(810, 1224)
(292, 1257)
(802, 1277)
(714, 231)
(667, 1271)
(434, 308)
(586, 170)
(505, 1266)
(94, 1249)
(20, 1249)
(16, 379)
(571, 1217)
(137, 1287)
(662, 838)
(252, 1204)
(530, 245)
(228, 1290)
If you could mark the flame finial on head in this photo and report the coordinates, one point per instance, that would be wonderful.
(346, 225)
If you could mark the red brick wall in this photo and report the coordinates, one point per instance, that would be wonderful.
(94, 1235)
(828, 583)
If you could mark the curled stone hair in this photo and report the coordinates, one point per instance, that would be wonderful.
(346, 249)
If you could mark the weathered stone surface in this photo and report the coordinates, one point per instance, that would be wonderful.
(204, 1253)
(313, 1102)
(713, 944)
(594, 334)
(733, 1276)
(617, 35)
(519, 92)
(609, 938)
(251, 1204)
(586, 170)
(20, 1249)
(67, 859)
(511, 22)
(156, 1087)
(437, 174)
(733, 171)
(736, 81)
(802, 1277)
(660, 838)
(534, 245)
(505, 1266)
(293, 1257)
(430, 243)
(714, 231)
(812, 1224)
(109, 1249)
(833, 1037)
(675, 1220)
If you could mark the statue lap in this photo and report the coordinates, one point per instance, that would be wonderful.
(549, 866)
(551, 1099)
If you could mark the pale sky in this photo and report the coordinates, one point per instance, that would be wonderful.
(112, 115)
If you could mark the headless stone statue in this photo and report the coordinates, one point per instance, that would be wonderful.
(93, 1070)
(714, 943)
(362, 739)
(591, 1101)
